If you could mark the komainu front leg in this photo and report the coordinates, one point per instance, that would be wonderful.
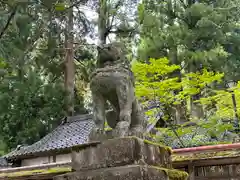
(98, 117)
(125, 97)
(137, 123)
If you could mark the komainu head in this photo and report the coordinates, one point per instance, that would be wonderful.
(111, 53)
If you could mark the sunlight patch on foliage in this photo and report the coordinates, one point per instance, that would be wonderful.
(154, 84)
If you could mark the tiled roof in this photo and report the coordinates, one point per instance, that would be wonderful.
(73, 132)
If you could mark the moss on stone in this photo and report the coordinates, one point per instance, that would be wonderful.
(205, 155)
(173, 174)
(160, 145)
(37, 171)
(108, 129)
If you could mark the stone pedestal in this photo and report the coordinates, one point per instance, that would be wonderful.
(126, 158)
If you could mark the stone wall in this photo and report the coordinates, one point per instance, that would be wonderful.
(128, 158)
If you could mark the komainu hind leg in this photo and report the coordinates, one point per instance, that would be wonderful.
(137, 124)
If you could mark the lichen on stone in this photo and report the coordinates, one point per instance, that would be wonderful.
(160, 145)
(36, 171)
(205, 155)
(173, 174)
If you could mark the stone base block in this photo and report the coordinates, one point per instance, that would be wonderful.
(130, 172)
(121, 152)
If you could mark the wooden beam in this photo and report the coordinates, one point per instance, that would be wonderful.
(219, 147)
(207, 162)
(216, 177)
(191, 172)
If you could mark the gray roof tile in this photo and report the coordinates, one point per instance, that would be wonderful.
(3, 162)
(73, 132)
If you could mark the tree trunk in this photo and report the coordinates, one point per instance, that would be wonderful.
(102, 22)
(196, 109)
(69, 64)
(178, 111)
(236, 118)
(234, 102)
(102, 25)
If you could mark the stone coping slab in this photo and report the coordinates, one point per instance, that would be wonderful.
(129, 172)
(47, 173)
(121, 152)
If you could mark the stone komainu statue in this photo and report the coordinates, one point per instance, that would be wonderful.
(113, 81)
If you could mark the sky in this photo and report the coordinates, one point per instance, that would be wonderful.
(93, 16)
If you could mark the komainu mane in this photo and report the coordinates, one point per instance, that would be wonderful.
(113, 81)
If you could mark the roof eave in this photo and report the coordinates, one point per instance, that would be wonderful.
(51, 152)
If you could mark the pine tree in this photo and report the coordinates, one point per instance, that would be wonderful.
(192, 34)
(31, 68)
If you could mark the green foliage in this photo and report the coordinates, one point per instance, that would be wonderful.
(60, 6)
(224, 102)
(31, 69)
(2, 147)
(153, 81)
(154, 84)
(202, 39)
(192, 33)
(29, 108)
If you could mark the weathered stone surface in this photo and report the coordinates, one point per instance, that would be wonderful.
(130, 172)
(120, 152)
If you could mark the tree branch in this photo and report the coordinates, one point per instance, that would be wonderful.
(75, 4)
(124, 31)
(8, 21)
(111, 24)
(184, 5)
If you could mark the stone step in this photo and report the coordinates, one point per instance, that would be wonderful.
(121, 152)
(129, 172)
